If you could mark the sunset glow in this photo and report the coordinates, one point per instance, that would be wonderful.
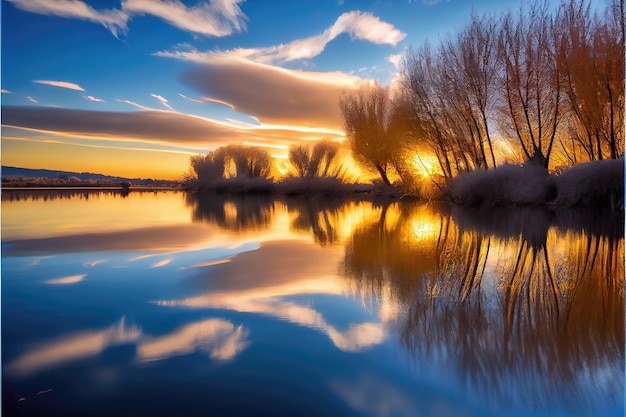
(142, 86)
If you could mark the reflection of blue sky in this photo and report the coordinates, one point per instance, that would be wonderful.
(266, 312)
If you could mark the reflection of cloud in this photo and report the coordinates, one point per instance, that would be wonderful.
(94, 263)
(76, 346)
(372, 395)
(114, 20)
(67, 280)
(282, 269)
(271, 94)
(219, 337)
(161, 263)
(61, 84)
(211, 263)
(357, 336)
(159, 238)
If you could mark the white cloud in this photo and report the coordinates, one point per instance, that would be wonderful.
(32, 100)
(396, 59)
(139, 106)
(212, 18)
(92, 98)
(195, 100)
(114, 20)
(215, 18)
(163, 101)
(62, 84)
(3, 91)
(359, 25)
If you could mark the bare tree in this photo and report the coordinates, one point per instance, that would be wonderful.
(531, 84)
(373, 130)
(322, 159)
(591, 54)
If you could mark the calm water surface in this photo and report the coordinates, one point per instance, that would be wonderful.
(170, 304)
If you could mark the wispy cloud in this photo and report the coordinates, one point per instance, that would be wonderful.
(3, 91)
(62, 84)
(67, 280)
(359, 25)
(155, 126)
(161, 263)
(190, 99)
(396, 59)
(113, 19)
(132, 103)
(92, 98)
(214, 18)
(32, 100)
(163, 101)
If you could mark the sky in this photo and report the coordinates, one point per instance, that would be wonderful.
(135, 87)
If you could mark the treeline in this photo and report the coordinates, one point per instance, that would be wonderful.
(543, 86)
(318, 167)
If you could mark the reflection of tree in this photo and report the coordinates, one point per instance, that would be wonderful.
(58, 194)
(397, 249)
(516, 304)
(319, 216)
(233, 212)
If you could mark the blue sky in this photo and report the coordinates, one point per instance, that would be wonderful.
(135, 87)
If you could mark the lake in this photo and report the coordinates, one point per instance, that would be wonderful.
(172, 304)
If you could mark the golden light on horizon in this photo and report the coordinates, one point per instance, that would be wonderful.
(426, 165)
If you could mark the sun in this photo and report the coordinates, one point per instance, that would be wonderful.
(424, 164)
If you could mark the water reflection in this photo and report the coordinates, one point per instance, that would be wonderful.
(282, 270)
(502, 311)
(219, 338)
(50, 194)
(522, 307)
(233, 212)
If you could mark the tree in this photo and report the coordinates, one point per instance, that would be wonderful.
(209, 168)
(322, 159)
(531, 82)
(234, 160)
(591, 54)
(372, 129)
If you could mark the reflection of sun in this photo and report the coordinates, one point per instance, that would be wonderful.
(423, 229)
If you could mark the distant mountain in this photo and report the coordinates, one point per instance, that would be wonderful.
(15, 172)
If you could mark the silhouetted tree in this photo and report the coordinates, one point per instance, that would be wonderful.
(372, 128)
(322, 159)
(531, 82)
(591, 52)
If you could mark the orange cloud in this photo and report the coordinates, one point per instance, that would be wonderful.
(271, 94)
(157, 127)
(61, 84)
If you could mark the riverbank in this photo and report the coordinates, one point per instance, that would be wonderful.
(591, 184)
